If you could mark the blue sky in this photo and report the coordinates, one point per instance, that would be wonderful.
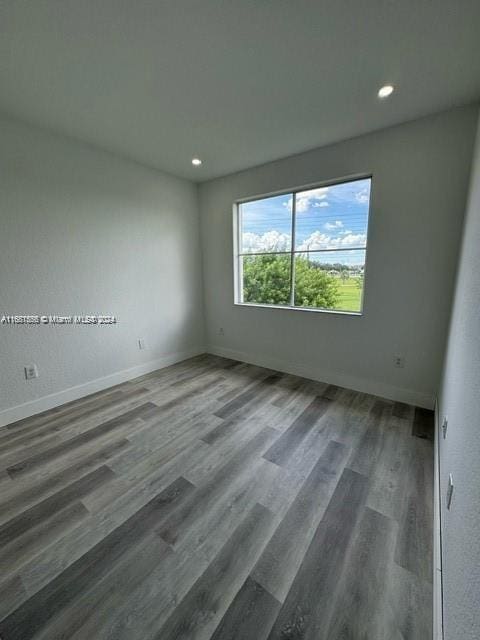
(333, 217)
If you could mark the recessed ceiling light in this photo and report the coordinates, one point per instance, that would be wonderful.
(196, 162)
(385, 91)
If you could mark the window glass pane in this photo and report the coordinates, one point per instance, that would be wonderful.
(332, 217)
(266, 225)
(330, 280)
(266, 279)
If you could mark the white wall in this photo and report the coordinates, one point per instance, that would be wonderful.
(460, 451)
(82, 231)
(420, 176)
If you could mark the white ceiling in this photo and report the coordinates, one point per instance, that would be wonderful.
(236, 82)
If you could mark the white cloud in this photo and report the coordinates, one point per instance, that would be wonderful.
(276, 241)
(362, 196)
(323, 203)
(318, 240)
(269, 241)
(307, 198)
(355, 240)
(338, 224)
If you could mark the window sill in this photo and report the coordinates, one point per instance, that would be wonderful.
(308, 309)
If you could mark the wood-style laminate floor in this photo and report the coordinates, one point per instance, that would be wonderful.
(215, 499)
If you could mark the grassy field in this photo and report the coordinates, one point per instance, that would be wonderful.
(350, 295)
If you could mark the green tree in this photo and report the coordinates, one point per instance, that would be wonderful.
(314, 287)
(266, 280)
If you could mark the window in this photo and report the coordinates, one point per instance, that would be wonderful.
(304, 249)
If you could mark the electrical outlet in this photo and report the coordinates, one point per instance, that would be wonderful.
(444, 427)
(450, 491)
(399, 361)
(31, 371)
(141, 344)
(221, 331)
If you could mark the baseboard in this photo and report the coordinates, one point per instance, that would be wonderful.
(437, 538)
(31, 408)
(373, 387)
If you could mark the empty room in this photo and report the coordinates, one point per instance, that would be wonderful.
(239, 320)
